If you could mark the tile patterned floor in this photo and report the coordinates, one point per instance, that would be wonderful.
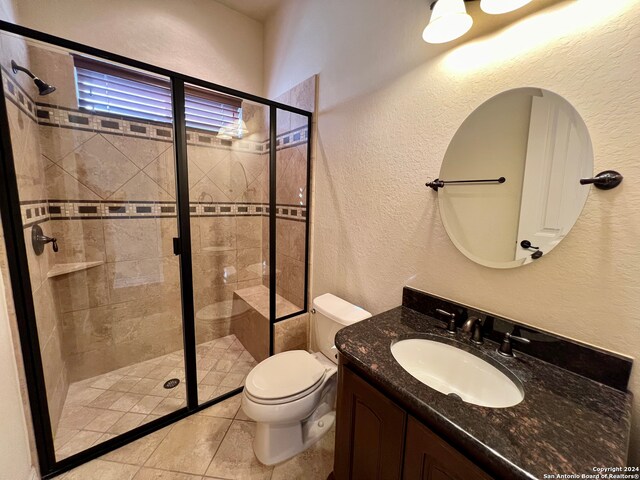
(212, 444)
(102, 407)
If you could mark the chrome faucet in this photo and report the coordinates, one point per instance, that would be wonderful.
(474, 326)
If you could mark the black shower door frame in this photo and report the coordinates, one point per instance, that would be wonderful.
(19, 270)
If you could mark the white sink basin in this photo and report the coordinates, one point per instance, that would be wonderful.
(451, 370)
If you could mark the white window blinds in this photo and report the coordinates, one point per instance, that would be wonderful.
(106, 88)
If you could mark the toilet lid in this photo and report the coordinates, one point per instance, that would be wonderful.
(284, 375)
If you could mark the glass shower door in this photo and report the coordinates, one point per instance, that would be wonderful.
(98, 200)
(228, 162)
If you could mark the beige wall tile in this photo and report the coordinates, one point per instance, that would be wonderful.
(303, 96)
(59, 70)
(254, 192)
(56, 143)
(206, 158)
(217, 268)
(290, 240)
(28, 161)
(131, 239)
(137, 279)
(81, 290)
(79, 241)
(62, 186)
(251, 328)
(100, 166)
(195, 173)
(292, 334)
(162, 171)
(140, 151)
(291, 277)
(253, 164)
(283, 117)
(257, 119)
(45, 311)
(217, 233)
(292, 179)
(249, 264)
(142, 187)
(230, 177)
(249, 232)
(86, 330)
(292, 301)
(207, 191)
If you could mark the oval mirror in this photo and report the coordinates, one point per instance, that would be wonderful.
(529, 148)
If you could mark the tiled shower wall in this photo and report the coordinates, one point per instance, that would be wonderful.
(89, 180)
(32, 187)
(291, 192)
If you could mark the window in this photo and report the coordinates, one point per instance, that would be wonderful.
(106, 88)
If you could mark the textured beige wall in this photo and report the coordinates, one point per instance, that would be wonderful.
(388, 106)
(201, 38)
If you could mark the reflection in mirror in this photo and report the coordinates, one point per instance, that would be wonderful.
(538, 142)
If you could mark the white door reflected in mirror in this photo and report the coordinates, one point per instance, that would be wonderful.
(538, 142)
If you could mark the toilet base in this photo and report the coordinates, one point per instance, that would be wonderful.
(275, 443)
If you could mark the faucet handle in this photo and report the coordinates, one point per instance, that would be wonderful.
(506, 348)
(451, 324)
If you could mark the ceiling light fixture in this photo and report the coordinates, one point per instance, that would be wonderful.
(450, 20)
(497, 7)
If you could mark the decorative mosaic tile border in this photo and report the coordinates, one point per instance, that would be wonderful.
(292, 138)
(42, 210)
(18, 96)
(34, 212)
(57, 116)
(63, 117)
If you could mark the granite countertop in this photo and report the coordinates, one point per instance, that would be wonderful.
(566, 424)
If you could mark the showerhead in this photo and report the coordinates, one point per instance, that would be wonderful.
(43, 87)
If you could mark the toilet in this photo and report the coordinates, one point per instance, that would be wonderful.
(291, 395)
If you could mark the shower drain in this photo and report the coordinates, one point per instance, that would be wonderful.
(172, 383)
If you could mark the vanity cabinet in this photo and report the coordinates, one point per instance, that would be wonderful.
(377, 439)
(429, 457)
(370, 432)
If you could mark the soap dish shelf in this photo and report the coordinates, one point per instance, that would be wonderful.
(65, 268)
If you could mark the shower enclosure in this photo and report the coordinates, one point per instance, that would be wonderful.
(156, 231)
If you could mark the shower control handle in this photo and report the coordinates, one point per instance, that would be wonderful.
(39, 240)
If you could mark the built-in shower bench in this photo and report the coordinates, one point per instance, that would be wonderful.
(250, 318)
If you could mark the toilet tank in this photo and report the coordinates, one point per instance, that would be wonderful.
(331, 314)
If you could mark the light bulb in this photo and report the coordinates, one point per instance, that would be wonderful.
(449, 20)
(496, 7)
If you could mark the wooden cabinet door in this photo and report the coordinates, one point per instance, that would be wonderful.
(369, 432)
(428, 457)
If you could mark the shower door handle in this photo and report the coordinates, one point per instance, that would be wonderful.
(177, 249)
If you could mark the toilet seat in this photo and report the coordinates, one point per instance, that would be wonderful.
(284, 377)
